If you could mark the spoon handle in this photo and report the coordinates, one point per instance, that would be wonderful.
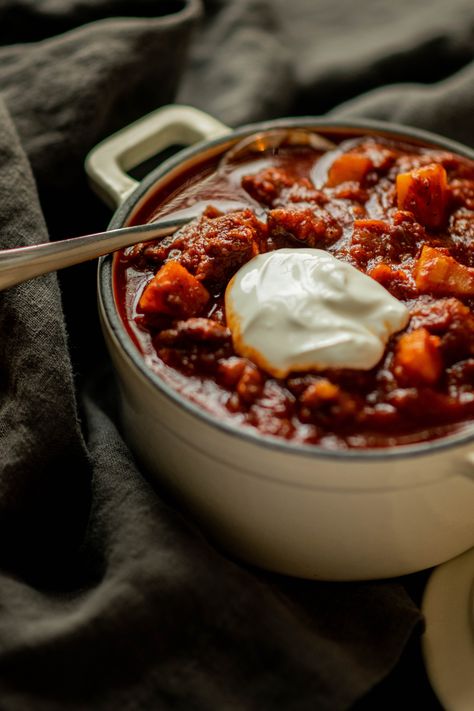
(22, 263)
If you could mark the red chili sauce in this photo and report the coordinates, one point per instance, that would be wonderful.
(404, 215)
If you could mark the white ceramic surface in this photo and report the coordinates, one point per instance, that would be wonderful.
(448, 642)
(293, 509)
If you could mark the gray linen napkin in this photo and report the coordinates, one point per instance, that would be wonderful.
(109, 597)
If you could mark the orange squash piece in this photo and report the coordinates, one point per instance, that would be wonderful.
(173, 291)
(418, 359)
(320, 392)
(439, 273)
(424, 192)
(347, 167)
(385, 274)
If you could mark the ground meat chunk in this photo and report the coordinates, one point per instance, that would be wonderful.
(195, 345)
(437, 316)
(382, 156)
(413, 403)
(250, 384)
(453, 322)
(462, 192)
(351, 191)
(230, 370)
(301, 192)
(397, 281)
(322, 399)
(248, 381)
(462, 236)
(212, 249)
(461, 376)
(373, 240)
(200, 330)
(266, 185)
(274, 187)
(313, 227)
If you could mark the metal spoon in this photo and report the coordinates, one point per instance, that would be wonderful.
(22, 263)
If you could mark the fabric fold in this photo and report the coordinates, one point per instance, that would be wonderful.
(110, 597)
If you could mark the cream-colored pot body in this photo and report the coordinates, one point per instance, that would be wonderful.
(292, 509)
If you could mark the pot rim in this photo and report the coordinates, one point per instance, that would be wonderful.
(105, 285)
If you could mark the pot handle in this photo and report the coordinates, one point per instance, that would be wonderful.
(107, 164)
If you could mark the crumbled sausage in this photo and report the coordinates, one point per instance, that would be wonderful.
(199, 330)
(266, 186)
(312, 227)
(250, 384)
(212, 248)
(323, 400)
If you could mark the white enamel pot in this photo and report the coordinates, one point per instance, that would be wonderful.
(299, 510)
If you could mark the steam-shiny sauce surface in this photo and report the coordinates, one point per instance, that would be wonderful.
(401, 214)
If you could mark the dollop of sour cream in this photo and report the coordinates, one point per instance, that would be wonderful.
(302, 309)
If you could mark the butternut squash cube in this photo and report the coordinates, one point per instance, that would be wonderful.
(439, 273)
(418, 359)
(173, 291)
(347, 167)
(424, 192)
